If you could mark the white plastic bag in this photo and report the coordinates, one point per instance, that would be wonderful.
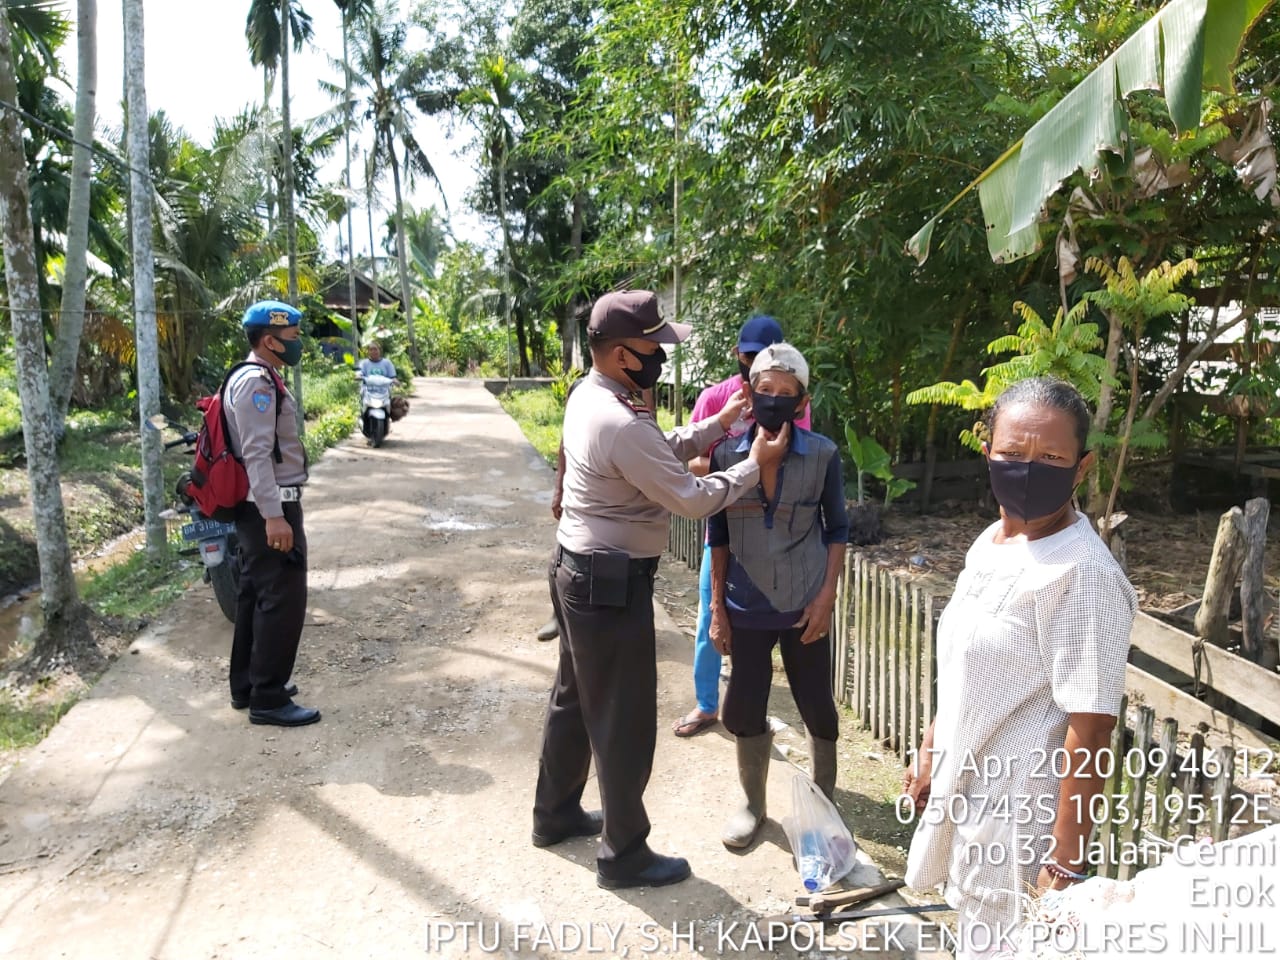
(822, 845)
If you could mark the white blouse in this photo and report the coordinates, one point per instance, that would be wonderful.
(1035, 630)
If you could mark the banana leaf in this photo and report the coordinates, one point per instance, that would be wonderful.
(1186, 47)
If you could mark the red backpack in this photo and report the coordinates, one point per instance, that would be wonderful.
(218, 481)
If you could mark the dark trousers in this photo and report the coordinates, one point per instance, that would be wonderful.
(270, 610)
(603, 705)
(808, 667)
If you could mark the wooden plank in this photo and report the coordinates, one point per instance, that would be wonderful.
(1246, 683)
(1219, 585)
(894, 637)
(1112, 791)
(859, 639)
(904, 671)
(882, 654)
(1221, 807)
(1169, 701)
(1135, 763)
(873, 646)
(1252, 597)
(1164, 776)
(927, 707)
(915, 730)
(840, 644)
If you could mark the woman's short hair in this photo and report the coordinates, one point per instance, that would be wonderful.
(1045, 392)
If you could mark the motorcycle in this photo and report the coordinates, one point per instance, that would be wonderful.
(213, 540)
(375, 406)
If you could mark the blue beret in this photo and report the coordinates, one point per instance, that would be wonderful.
(271, 313)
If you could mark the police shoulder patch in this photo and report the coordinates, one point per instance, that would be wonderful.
(262, 401)
(634, 401)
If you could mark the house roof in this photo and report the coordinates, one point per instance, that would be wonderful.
(369, 292)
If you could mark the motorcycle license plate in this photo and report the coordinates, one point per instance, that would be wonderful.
(200, 529)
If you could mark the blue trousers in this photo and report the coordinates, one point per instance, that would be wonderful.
(706, 658)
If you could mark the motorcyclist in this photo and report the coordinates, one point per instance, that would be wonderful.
(375, 363)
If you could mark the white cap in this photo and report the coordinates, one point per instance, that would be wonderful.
(783, 357)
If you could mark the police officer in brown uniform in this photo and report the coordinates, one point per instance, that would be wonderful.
(623, 479)
(272, 604)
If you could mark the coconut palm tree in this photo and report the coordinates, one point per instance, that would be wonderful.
(351, 10)
(58, 598)
(390, 84)
(76, 274)
(268, 29)
(490, 103)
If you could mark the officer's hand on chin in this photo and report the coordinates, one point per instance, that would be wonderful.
(279, 534)
(768, 448)
(733, 407)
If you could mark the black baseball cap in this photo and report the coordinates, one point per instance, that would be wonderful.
(633, 314)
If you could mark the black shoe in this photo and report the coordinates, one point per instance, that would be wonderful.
(290, 715)
(239, 703)
(549, 630)
(587, 825)
(653, 870)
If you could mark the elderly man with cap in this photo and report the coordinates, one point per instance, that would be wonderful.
(263, 433)
(622, 480)
(757, 333)
(776, 556)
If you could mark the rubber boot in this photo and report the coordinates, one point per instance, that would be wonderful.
(822, 760)
(753, 773)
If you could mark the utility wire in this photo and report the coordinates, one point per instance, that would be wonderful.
(63, 134)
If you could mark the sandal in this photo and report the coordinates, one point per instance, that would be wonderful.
(691, 725)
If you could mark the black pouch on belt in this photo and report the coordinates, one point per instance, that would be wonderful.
(609, 571)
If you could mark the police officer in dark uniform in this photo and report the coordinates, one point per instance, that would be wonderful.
(622, 480)
(263, 433)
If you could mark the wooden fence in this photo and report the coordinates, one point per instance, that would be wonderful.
(884, 667)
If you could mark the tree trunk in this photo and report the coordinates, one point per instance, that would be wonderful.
(290, 222)
(368, 206)
(144, 275)
(1106, 399)
(346, 136)
(58, 599)
(507, 294)
(402, 264)
(1220, 584)
(570, 335)
(66, 349)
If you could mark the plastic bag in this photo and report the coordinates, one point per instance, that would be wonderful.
(821, 843)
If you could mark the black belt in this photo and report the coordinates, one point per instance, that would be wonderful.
(581, 563)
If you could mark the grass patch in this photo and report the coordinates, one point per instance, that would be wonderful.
(140, 585)
(541, 418)
(329, 399)
(25, 724)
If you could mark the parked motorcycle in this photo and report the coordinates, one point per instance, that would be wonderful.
(375, 406)
(213, 540)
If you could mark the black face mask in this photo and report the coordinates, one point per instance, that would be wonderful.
(1028, 490)
(772, 412)
(744, 369)
(650, 367)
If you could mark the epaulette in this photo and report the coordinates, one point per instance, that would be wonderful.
(634, 401)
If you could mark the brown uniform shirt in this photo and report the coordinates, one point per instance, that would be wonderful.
(254, 429)
(624, 478)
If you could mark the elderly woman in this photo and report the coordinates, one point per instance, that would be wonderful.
(776, 556)
(1031, 660)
